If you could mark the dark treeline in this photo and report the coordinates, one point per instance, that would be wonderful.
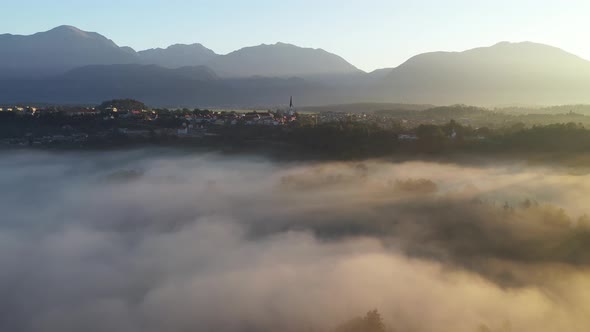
(341, 139)
(62, 120)
(358, 140)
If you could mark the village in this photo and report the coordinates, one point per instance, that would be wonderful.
(76, 125)
(117, 123)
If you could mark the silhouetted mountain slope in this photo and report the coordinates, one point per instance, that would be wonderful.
(63, 48)
(134, 72)
(58, 50)
(380, 73)
(280, 60)
(157, 86)
(177, 56)
(505, 73)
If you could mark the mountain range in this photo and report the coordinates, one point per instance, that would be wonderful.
(68, 65)
(64, 48)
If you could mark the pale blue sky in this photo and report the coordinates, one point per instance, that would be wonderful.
(369, 33)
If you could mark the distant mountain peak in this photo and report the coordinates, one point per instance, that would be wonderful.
(72, 30)
(281, 44)
(520, 46)
(179, 46)
(57, 50)
(193, 45)
(66, 28)
(505, 43)
(517, 44)
(59, 30)
(178, 55)
(280, 60)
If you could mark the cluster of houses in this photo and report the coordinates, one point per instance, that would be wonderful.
(25, 110)
(110, 112)
(198, 119)
(371, 117)
(194, 125)
(139, 114)
(190, 124)
(30, 110)
(251, 118)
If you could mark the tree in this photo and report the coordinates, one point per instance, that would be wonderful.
(431, 138)
(374, 322)
(371, 322)
(123, 104)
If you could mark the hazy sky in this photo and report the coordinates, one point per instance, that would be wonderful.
(370, 33)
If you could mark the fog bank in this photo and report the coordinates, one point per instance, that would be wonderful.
(161, 241)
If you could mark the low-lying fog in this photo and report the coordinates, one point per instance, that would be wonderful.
(159, 241)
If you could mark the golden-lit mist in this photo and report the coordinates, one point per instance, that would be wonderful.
(159, 241)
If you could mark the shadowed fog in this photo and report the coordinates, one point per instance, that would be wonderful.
(137, 241)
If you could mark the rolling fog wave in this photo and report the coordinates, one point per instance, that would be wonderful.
(161, 241)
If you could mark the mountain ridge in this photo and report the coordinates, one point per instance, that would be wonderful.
(56, 51)
(280, 59)
(501, 74)
(177, 55)
(66, 47)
